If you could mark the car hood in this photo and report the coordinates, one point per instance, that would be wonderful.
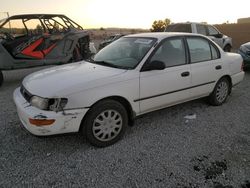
(63, 80)
(247, 45)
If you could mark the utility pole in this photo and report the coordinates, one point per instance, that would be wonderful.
(9, 22)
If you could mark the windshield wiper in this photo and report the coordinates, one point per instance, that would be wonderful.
(109, 64)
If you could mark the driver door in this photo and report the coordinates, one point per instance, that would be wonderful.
(161, 88)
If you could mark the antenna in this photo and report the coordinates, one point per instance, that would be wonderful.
(7, 13)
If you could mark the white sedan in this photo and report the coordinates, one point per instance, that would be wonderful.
(134, 75)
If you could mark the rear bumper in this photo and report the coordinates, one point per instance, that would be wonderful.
(65, 122)
(237, 78)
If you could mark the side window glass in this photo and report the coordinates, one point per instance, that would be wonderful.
(215, 53)
(171, 52)
(199, 49)
(201, 29)
(179, 28)
(212, 30)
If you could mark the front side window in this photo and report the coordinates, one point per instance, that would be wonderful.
(171, 52)
(199, 49)
(201, 29)
(212, 30)
(125, 52)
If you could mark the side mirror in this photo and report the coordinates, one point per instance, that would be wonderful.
(219, 35)
(154, 65)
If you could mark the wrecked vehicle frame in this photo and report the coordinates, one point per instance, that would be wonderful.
(40, 40)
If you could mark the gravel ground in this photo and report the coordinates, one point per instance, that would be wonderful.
(162, 149)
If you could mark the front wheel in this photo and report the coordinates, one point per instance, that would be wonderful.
(105, 123)
(220, 93)
(1, 78)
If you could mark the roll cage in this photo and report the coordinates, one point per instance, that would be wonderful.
(50, 23)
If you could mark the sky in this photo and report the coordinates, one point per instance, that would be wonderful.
(133, 13)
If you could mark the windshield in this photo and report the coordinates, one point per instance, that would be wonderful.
(125, 53)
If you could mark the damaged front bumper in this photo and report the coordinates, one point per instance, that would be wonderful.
(60, 122)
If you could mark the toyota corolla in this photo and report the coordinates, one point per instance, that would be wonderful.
(132, 76)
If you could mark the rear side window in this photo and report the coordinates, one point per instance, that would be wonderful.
(201, 29)
(201, 49)
(186, 28)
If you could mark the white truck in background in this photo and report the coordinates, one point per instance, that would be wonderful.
(212, 32)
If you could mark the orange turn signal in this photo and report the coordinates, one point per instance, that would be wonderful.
(41, 122)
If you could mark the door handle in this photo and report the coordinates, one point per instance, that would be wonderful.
(218, 67)
(185, 74)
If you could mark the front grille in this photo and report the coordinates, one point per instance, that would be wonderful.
(27, 95)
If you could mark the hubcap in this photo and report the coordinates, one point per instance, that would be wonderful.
(222, 91)
(107, 125)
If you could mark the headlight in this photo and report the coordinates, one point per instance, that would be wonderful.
(39, 102)
(56, 104)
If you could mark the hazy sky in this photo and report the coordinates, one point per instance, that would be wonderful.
(133, 13)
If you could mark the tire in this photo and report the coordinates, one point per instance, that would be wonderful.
(227, 48)
(1, 78)
(105, 123)
(220, 92)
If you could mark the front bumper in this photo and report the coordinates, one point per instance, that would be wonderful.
(65, 122)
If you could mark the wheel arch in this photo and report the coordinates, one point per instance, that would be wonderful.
(121, 100)
(227, 44)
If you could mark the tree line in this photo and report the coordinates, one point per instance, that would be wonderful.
(160, 25)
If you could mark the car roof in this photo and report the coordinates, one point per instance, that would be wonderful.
(25, 17)
(162, 35)
(190, 23)
(35, 16)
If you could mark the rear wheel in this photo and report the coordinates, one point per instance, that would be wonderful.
(1, 78)
(220, 93)
(105, 123)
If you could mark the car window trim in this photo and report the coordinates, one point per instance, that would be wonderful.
(159, 45)
(217, 51)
